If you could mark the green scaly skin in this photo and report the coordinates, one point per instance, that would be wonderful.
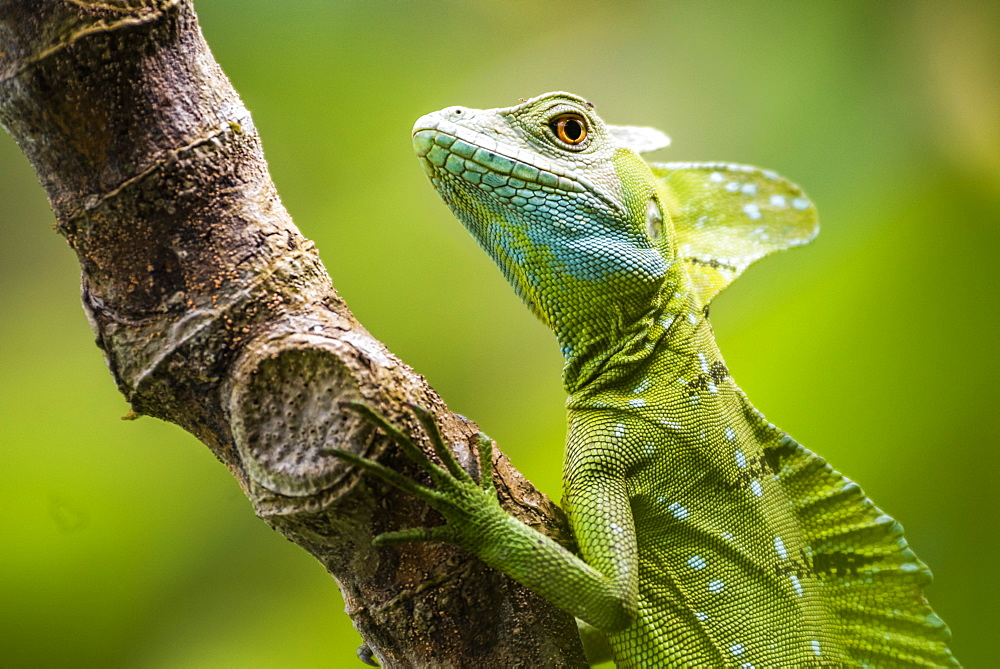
(707, 536)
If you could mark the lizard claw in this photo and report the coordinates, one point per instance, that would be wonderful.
(441, 449)
(440, 533)
(453, 485)
(485, 448)
(388, 475)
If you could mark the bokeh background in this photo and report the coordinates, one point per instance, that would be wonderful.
(127, 544)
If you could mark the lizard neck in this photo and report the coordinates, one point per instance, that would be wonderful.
(667, 395)
(606, 354)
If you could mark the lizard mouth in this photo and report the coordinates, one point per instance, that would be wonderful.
(518, 176)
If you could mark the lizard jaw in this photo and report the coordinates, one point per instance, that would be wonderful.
(518, 175)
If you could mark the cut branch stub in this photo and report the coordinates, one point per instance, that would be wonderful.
(286, 412)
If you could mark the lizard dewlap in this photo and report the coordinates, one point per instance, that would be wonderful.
(708, 537)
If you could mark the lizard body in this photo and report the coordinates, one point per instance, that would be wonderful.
(707, 536)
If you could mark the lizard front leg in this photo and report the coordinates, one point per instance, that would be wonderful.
(602, 593)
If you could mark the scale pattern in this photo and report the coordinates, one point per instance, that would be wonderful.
(708, 537)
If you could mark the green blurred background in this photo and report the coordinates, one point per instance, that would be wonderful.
(128, 544)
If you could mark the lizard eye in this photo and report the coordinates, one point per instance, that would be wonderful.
(569, 128)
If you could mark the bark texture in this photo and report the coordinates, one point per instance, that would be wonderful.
(214, 313)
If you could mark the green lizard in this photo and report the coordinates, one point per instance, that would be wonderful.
(707, 536)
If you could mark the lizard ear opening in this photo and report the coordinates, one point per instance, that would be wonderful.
(654, 221)
(726, 217)
(640, 140)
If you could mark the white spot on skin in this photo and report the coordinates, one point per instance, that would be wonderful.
(697, 562)
(728, 536)
(730, 434)
(691, 319)
(637, 403)
(619, 430)
(616, 528)
(770, 174)
(778, 201)
(741, 460)
(737, 649)
(680, 513)
(716, 586)
(779, 547)
(796, 584)
(756, 488)
(732, 186)
(716, 177)
(641, 388)
(701, 616)
(815, 646)
(749, 189)
(746, 665)
(752, 210)
(800, 203)
(703, 362)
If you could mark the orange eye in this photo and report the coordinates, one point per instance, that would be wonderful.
(569, 128)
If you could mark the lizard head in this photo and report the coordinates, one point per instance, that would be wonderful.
(560, 200)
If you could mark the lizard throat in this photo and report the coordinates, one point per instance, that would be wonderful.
(598, 356)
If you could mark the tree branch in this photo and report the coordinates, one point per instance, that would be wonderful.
(214, 313)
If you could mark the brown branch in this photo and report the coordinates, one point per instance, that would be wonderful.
(214, 313)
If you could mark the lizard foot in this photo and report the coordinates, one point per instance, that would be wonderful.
(458, 497)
